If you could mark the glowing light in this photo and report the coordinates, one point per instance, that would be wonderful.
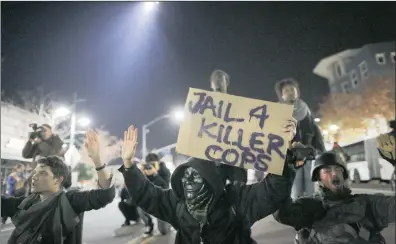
(178, 114)
(149, 6)
(333, 127)
(62, 111)
(84, 121)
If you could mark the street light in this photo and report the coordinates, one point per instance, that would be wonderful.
(177, 115)
(317, 120)
(60, 112)
(84, 121)
(333, 127)
(148, 6)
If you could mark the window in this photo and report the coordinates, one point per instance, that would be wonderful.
(338, 69)
(381, 59)
(363, 70)
(354, 78)
(393, 57)
(346, 87)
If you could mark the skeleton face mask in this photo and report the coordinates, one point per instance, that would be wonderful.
(194, 185)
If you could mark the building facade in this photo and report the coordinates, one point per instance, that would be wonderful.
(349, 70)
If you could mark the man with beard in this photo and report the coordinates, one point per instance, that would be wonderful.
(200, 207)
(308, 133)
(334, 215)
(219, 82)
(49, 214)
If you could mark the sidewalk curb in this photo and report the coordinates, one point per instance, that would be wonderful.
(372, 191)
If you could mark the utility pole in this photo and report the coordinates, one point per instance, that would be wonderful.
(73, 123)
(144, 141)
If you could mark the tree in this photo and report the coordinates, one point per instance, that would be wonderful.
(379, 99)
(110, 147)
(358, 109)
(85, 172)
(39, 102)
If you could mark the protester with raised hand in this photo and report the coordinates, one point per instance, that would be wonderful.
(333, 214)
(308, 133)
(200, 207)
(50, 215)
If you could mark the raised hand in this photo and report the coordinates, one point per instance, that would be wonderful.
(387, 146)
(92, 145)
(129, 146)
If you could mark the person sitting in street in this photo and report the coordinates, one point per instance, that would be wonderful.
(49, 214)
(151, 172)
(333, 214)
(127, 208)
(200, 206)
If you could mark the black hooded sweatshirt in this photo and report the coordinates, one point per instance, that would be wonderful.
(234, 209)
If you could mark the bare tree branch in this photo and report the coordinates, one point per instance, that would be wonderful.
(358, 111)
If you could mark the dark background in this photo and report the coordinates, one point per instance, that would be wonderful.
(132, 66)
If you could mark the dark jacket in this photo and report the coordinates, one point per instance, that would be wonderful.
(124, 194)
(157, 180)
(308, 133)
(326, 218)
(233, 174)
(235, 208)
(79, 202)
(52, 146)
(164, 172)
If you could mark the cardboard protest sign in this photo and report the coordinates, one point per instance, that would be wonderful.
(237, 131)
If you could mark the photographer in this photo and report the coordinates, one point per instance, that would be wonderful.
(42, 143)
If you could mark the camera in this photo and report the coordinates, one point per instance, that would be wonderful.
(37, 131)
(302, 154)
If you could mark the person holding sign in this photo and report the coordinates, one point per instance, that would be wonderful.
(200, 207)
(219, 82)
(308, 133)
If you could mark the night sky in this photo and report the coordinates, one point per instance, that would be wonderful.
(132, 66)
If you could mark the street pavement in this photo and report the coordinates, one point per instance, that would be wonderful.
(100, 227)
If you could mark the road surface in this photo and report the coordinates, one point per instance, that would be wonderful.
(100, 226)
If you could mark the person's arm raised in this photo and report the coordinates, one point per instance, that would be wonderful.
(264, 198)
(95, 199)
(152, 199)
(301, 213)
(9, 205)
